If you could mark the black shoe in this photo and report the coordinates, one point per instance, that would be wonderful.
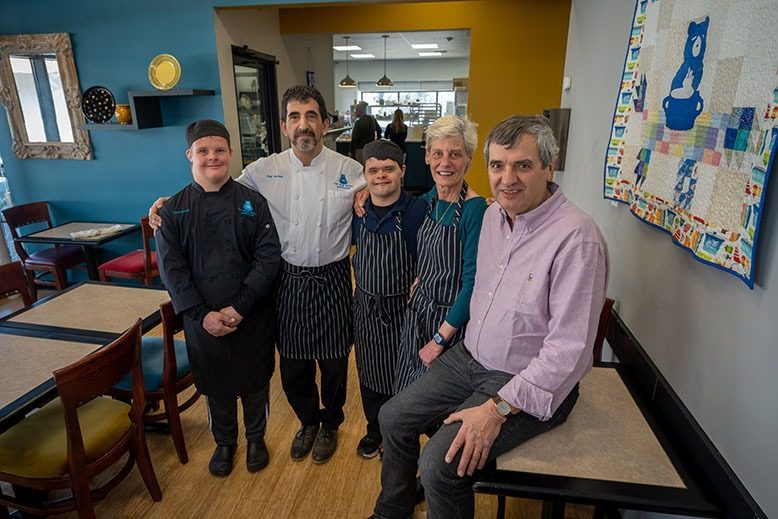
(303, 441)
(257, 456)
(221, 461)
(419, 491)
(368, 447)
(325, 445)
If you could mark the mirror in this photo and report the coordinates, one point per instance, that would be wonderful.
(39, 90)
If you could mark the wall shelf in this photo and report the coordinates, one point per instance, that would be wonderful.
(146, 109)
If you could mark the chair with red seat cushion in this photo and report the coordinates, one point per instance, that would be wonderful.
(51, 260)
(139, 264)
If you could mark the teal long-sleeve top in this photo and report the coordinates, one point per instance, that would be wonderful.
(469, 232)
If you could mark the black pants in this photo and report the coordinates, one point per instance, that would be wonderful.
(298, 378)
(371, 404)
(223, 416)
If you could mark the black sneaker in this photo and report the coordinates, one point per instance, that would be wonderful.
(221, 461)
(325, 445)
(303, 441)
(368, 447)
(257, 456)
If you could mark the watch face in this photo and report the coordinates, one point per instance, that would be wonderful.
(503, 408)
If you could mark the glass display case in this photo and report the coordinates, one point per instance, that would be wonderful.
(257, 103)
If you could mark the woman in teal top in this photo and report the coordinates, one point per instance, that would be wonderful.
(439, 306)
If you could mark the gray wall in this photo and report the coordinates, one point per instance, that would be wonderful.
(715, 340)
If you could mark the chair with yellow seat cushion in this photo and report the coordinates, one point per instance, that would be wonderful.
(66, 443)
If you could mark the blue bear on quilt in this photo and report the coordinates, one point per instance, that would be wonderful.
(684, 103)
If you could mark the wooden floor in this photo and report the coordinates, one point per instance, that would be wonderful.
(345, 487)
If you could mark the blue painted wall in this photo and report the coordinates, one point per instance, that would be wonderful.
(113, 43)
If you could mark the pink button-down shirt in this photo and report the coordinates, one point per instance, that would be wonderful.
(539, 290)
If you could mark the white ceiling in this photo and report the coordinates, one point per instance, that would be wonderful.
(398, 45)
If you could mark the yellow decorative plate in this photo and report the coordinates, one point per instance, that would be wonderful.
(164, 72)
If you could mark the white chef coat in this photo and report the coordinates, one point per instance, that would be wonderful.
(311, 206)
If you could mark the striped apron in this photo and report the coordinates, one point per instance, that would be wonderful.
(383, 271)
(314, 311)
(440, 279)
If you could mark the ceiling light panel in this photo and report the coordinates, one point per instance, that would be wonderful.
(346, 47)
(418, 46)
(362, 56)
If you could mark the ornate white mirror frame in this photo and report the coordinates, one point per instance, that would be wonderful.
(57, 44)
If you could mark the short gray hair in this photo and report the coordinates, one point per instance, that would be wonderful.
(454, 126)
(508, 132)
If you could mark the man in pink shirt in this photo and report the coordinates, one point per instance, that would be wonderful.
(540, 283)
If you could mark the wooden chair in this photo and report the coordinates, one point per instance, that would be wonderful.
(51, 260)
(70, 440)
(166, 373)
(13, 281)
(139, 264)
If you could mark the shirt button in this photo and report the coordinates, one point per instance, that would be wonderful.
(296, 197)
(479, 321)
(318, 250)
(501, 267)
(490, 294)
(507, 236)
(321, 199)
(227, 221)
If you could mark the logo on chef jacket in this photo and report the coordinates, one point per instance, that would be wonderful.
(247, 209)
(343, 182)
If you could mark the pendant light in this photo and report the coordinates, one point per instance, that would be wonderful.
(384, 81)
(348, 81)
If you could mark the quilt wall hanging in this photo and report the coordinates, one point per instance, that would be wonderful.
(695, 127)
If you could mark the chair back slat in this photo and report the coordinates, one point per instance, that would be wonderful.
(148, 234)
(602, 327)
(97, 373)
(22, 215)
(13, 281)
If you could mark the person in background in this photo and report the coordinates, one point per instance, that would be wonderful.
(366, 129)
(539, 289)
(219, 256)
(397, 130)
(310, 189)
(384, 269)
(448, 244)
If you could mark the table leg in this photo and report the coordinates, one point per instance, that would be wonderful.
(553, 510)
(91, 262)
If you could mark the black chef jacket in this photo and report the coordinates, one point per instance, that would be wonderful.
(218, 249)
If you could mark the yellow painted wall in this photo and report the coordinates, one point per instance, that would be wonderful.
(517, 49)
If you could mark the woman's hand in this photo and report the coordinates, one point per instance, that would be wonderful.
(430, 352)
(154, 219)
(360, 197)
(413, 288)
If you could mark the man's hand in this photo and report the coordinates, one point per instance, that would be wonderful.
(360, 197)
(430, 352)
(154, 220)
(480, 427)
(218, 324)
(233, 316)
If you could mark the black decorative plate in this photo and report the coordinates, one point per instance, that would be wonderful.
(98, 104)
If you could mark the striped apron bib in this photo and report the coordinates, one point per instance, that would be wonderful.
(440, 279)
(314, 311)
(383, 271)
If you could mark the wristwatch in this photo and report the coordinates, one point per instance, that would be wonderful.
(503, 407)
(439, 340)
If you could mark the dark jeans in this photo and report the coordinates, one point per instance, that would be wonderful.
(455, 381)
(223, 416)
(298, 378)
(372, 402)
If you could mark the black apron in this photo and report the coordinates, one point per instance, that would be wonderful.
(440, 279)
(314, 311)
(383, 272)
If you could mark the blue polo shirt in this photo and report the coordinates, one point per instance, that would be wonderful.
(413, 210)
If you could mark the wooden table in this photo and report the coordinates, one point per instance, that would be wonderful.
(610, 451)
(60, 235)
(28, 361)
(90, 309)
(59, 330)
